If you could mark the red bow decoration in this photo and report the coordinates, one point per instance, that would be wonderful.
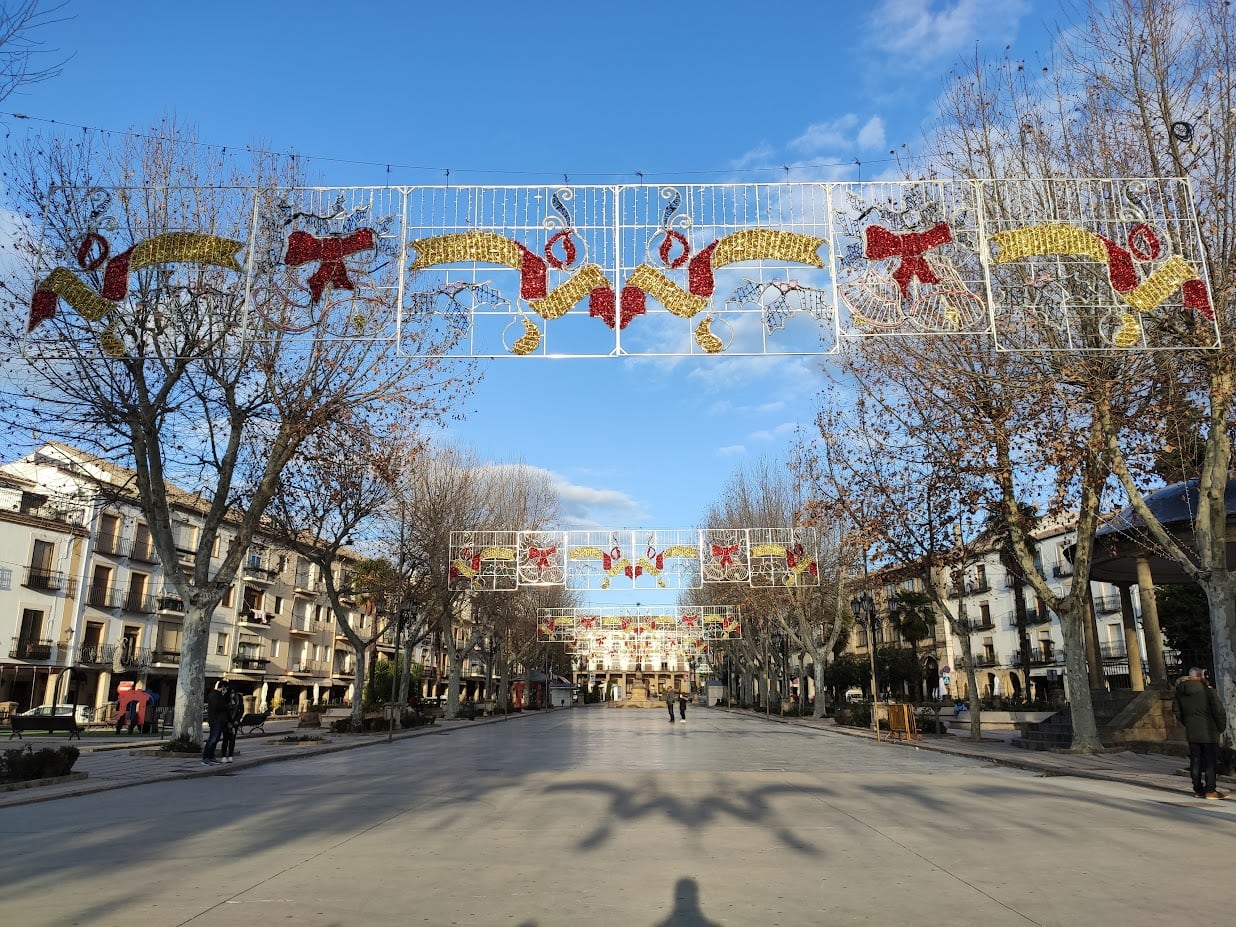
(632, 304)
(330, 251)
(633, 571)
(910, 247)
(540, 556)
(588, 624)
(725, 553)
(688, 621)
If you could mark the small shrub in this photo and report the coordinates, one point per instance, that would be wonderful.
(182, 744)
(25, 765)
(342, 725)
(302, 739)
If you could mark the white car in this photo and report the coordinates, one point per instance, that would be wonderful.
(84, 714)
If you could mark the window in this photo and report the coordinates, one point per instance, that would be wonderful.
(169, 638)
(226, 601)
(221, 643)
(185, 536)
(6, 578)
(100, 587)
(135, 599)
(109, 533)
(985, 614)
(31, 625)
(41, 557)
(278, 609)
(143, 549)
(274, 648)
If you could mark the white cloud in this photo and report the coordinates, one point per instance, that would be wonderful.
(871, 135)
(732, 450)
(919, 31)
(776, 433)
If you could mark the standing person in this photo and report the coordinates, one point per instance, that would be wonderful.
(216, 717)
(1198, 708)
(235, 712)
(669, 701)
(682, 706)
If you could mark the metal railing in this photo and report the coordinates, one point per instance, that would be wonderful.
(136, 600)
(165, 657)
(111, 544)
(1106, 605)
(30, 648)
(44, 580)
(96, 654)
(144, 551)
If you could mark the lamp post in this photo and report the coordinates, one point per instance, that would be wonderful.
(863, 607)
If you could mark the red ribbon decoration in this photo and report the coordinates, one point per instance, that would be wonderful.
(330, 251)
(601, 305)
(725, 553)
(541, 556)
(910, 247)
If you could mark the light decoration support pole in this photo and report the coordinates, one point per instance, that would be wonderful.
(863, 607)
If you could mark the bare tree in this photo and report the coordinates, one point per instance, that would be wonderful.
(452, 490)
(146, 365)
(24, 59)
(1136, 88)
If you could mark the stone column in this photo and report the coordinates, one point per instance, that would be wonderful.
(1150, 621)
(49, 689)
(102, 688)
(1132, 649)
(1094, 659)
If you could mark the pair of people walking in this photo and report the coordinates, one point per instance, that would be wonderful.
(671, 697)
(1198, 708)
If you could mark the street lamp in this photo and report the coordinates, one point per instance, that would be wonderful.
(863, 607)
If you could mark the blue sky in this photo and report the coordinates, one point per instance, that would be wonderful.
(513, 93)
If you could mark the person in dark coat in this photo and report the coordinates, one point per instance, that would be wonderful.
(216, 717)
(670, 699)
(1198, 708)
(682, 705)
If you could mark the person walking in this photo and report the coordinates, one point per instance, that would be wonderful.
(682, 706)
(235, 712)
(670, 698)
(216, 717)
(1197, 707)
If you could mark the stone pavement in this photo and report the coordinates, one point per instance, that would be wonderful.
(617, 818)
(112, 762)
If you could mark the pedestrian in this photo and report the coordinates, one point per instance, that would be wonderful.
(216, 717)
(1198, 708)
(670, 698)
(235, 712)
(682, 706)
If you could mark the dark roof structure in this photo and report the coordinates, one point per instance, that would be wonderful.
(1124, 537)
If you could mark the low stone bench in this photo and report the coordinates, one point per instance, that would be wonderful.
(49, 723)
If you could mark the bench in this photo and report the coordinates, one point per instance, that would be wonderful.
(252, 722)
(49, 723)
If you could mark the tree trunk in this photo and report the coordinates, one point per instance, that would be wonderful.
(821, 708)
(1081, 706)
(191, 677)
(358, 690)
(1023, 633)
(1222, 598)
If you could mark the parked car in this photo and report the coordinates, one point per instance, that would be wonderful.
(84, 714)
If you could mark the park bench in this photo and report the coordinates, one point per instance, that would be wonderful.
(252, 722)
(49, 723)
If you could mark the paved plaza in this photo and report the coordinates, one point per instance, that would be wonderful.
(604, 817)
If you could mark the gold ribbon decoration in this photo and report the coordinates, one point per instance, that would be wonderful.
(556, 303)
(467, 247)
(767, 245)
(665, 291)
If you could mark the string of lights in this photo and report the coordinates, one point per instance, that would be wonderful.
(782, 170)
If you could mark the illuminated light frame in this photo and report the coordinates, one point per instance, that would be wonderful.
(697, 269)
(632, 559)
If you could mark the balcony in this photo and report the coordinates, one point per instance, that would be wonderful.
(306, 584)
(113, 545)
(165, 657)
(144, 551)
(96, 654)
(249, 661)
(44, 580)
(258, 569)
(345, 669)
(134, 658)
(1039, 656)
(975, 625)
(100, 595)
(307, 668)
(257, 616)
(1113, 651)
(39, 506)
(138, 601)
(985, 660)
(1108, 604)
(170, 603)
(303, 625)
(28, 648)
(1061, 570)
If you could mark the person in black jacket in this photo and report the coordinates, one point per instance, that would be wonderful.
(216, 717)
(235, 713)
(1198, 708)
